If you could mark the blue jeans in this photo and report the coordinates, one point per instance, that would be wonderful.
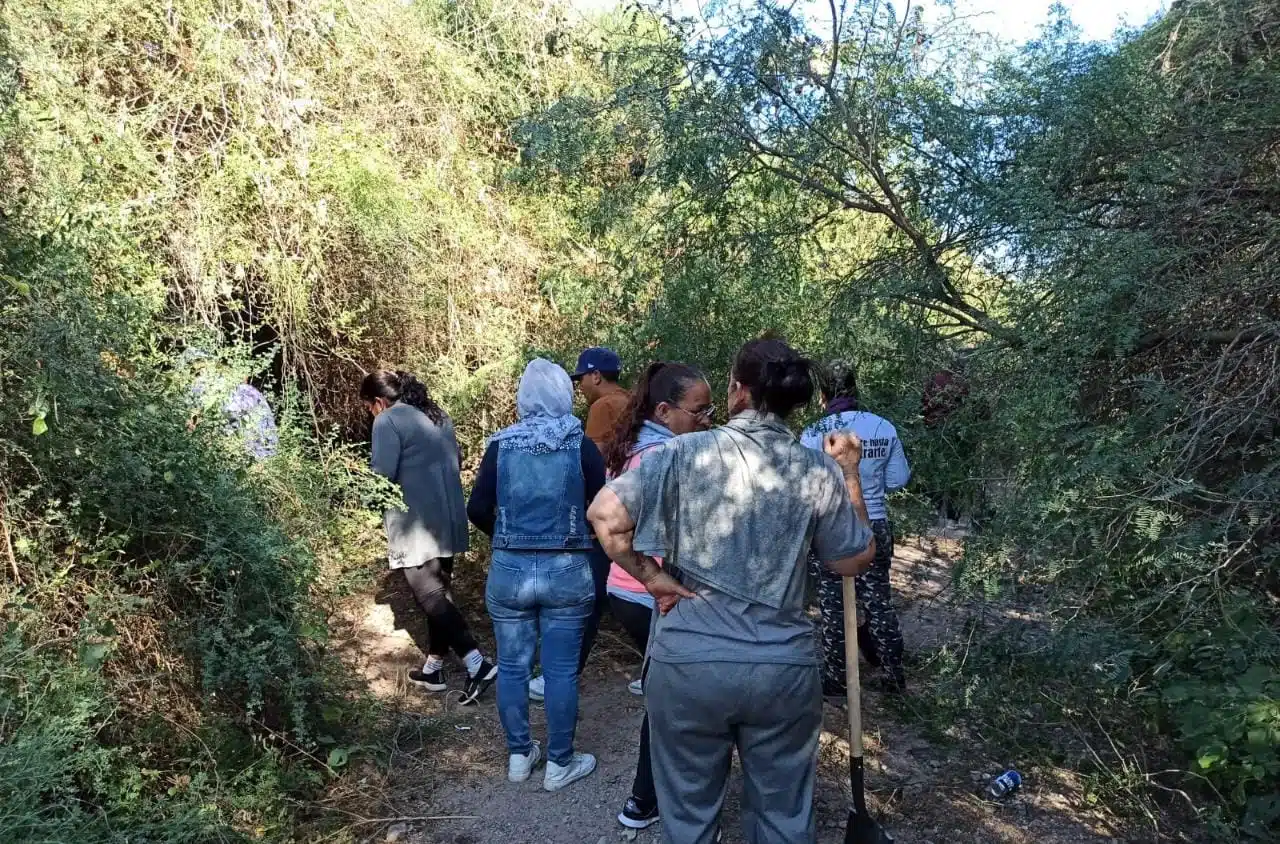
(532, 592)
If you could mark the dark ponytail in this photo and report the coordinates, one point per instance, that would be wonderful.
(778, 379)
(661, 382)
(402, 387)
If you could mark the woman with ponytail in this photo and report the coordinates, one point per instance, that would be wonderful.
(671, 399)
(415, 447)
(732, 662)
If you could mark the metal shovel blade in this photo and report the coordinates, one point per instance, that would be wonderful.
(862, 829)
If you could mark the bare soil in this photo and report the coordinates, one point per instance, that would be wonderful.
(447, 781)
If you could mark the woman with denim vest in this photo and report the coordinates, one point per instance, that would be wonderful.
(531, 495)
(732, 660)
(671, 399)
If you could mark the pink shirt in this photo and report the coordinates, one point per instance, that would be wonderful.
(619, 579)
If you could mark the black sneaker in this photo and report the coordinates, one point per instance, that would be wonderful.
(479, 682)
(431, 681)
(637, 815)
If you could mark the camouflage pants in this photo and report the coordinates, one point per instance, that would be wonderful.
(879, 637)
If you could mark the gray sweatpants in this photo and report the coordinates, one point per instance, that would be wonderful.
(699, 713)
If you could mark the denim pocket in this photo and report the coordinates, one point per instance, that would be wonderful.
(565, 580)
(510, 579)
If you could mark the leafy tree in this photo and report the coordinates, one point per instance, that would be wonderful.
(1092, 221)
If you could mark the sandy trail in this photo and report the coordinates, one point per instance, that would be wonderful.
(451, 761)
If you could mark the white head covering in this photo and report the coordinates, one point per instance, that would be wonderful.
(545, 390)
(544, 403)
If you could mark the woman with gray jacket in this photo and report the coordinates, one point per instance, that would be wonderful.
(414, 446)
(734, 512)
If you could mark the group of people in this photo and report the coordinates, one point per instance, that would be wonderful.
(700, 541)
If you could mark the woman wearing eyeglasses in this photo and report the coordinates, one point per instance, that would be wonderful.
(670, 399)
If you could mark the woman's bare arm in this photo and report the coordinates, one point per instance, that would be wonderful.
(616, 531)
(846, 450)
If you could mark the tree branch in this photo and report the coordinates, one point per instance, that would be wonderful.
(8, 542)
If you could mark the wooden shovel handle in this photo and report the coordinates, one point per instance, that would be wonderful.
(852, 682)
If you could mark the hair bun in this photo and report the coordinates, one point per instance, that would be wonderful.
(414, 392)
(779, 379)
(787, 383)
(792, 371)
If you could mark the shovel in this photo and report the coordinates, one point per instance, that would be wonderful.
(861, 827)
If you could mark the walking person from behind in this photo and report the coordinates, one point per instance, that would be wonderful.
(944, 394)
(414, 446)
(883, 469)
(670, 399)
(531, 495)
(596, 376)
(732, 662)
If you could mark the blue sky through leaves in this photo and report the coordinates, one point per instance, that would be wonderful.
(1009, 20)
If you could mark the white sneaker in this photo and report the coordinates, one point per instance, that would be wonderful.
(558, 776)
(538, 689)
(636, 687)
(520, 767)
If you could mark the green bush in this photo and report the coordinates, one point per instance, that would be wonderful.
(308, 191)
(1220, 688)
(447, 186)
(165, 666)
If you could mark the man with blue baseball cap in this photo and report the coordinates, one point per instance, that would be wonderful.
(597, 378)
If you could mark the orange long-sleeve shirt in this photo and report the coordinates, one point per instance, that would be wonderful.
(603, 417)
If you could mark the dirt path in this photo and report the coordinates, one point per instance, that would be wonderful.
(451, 762)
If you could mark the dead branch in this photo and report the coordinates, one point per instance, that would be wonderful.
(8, 542)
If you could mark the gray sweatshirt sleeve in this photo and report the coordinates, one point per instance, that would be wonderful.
(385, 459)
(897, 471)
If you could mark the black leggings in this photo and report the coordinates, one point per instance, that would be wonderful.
(445, 625)
(600, 577)
(636, 619)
